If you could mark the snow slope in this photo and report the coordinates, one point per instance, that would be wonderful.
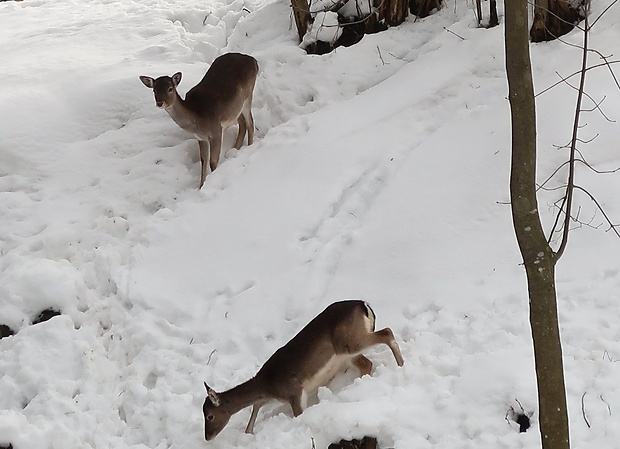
(379, 171)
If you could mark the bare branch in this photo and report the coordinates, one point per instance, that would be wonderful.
(595, 66)
(611, 72)
(571, 166)
(542, 185)
(557, 219)
(589, 140)
(603, 13)
(588, 224)
(596, 104)
(612, 226)
(600, 172)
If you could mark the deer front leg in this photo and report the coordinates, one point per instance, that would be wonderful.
(298, 401)
(215, 144)
(255, 409)
(204, 153)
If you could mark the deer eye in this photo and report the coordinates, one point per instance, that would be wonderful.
(210, 417)
(170, 89)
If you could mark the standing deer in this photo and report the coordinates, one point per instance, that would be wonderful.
(330, 342)
(222, 98)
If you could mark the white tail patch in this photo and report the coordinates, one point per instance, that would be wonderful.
(371, 316)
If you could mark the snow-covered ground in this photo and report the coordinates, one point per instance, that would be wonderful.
(379, 171)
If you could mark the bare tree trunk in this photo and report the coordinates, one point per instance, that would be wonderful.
(539, 259)
(301, 12)
(493, 19)
(394, 11)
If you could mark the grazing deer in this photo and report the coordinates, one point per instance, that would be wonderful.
(329, 343)
(222, 98)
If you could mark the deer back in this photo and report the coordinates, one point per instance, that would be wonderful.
(224, 89)
(317, 352)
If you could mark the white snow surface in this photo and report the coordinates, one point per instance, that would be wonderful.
(378, 171)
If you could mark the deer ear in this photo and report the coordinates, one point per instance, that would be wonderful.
(147, 81)
(176, 78)
(212, 395)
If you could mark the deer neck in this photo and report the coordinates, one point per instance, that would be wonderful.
(182, 115)
(244, 395)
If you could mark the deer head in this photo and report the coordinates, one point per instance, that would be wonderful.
(164, 89)
(216, 415)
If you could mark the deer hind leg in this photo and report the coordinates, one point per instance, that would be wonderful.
(356, 344)
(242, 130)
(249, 119)
(386, 336)
(204, 153)
(362, 363)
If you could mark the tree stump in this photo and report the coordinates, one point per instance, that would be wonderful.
(423, 8)
(554, 18)
(5, 331)
(364, 443)
(45, 315)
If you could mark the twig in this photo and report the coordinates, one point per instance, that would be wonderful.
(596, 104)
(603, 13)
(606, 59)
(612, 226)
(557, 220)
(583, 410)
(522, 409)
(450, 31)
(555, 172)
(380, 57)
(605, 402)
(595, 66)
(600, 172)
(210, 355)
